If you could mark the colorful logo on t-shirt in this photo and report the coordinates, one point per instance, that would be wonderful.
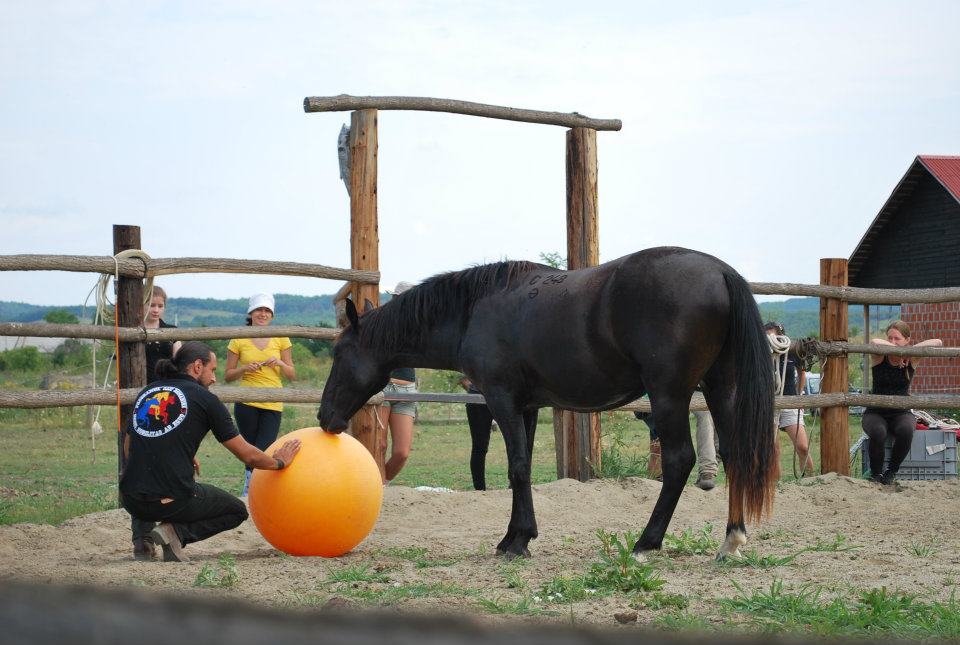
(159, 410)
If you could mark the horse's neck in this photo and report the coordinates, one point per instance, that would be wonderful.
(436, 349)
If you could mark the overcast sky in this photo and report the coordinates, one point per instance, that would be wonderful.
(766, 133)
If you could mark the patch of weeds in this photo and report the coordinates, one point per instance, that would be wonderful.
(662, 600)
(778, 608)
(526, 605)
(392, 594)
(838, 545)
(690, 542)
(356, 573)
(923, 549)
(223, 574)
(681, 621)
(6, 511)
(511, 574)
(568, 539)
(615, 463)
(877, 612)
(308, 599)
(617, 569)
(418, 556)
(770, 535)
(753, 559)
(562, 589)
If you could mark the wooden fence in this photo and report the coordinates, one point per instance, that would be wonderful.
(577, 435)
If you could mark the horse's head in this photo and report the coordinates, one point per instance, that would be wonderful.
(357, 373)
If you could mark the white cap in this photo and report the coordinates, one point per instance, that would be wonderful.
(400, 288)
(261, 300)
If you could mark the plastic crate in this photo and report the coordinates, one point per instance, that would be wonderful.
(933, 455)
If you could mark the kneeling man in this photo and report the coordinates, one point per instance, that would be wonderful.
(170, 419)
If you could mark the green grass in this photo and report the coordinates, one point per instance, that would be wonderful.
(524, 606)
(878, 613)
(690, 542)
(419, 556)
(356, 573)
(222, 574)
(923, 549)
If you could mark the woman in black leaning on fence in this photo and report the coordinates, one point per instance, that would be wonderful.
(892, 375)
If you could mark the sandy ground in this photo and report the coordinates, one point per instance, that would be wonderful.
(907, 536)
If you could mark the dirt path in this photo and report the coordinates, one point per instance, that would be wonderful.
(907, 537)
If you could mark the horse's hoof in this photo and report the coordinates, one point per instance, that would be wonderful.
(723, 557)
(641, 556)
(511, 556)
(512, 548)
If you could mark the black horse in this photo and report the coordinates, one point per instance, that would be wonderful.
(660, 321)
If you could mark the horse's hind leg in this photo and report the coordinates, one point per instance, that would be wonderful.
(719, 393)
(672, 418)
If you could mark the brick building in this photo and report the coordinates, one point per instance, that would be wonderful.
(914, 243)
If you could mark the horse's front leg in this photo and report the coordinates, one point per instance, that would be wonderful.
(523, 524)
(673, 427)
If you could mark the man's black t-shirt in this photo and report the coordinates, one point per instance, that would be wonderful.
(170, 419)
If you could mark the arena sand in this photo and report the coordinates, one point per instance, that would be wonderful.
(907, 538)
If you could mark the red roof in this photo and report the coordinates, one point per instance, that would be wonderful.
(946, 170)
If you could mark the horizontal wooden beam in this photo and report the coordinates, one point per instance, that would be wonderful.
(346, 102)
(134, 334)
(858, 295)
(133, 268)
(232, 394)
(918, 402)
(838, 348)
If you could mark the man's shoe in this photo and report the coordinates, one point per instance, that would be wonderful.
(167, 538)
(706, 482)
(144, 550)
(888, 478)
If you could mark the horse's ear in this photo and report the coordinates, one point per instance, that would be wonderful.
(367, 305)
(352, 314)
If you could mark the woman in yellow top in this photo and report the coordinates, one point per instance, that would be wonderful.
(259, 362)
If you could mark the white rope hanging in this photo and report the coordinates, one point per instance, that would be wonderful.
(104, 313)
(779, 346)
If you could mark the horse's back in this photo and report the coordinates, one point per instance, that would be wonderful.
(586, 338)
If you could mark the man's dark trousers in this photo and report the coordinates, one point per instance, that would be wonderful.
(210, 511)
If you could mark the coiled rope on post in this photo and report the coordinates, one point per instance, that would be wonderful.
(779, 346)
(104, 313)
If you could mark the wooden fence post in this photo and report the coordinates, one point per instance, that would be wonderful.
(835, 430)
(365, 252)
(131, 357)
(578, 434)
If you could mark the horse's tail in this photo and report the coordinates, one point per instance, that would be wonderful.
(751, 461)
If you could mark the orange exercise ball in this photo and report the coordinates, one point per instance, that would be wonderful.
(324, 502)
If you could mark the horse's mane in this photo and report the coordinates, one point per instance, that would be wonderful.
(445, 296)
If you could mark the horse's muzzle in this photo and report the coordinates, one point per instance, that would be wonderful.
(329, 422)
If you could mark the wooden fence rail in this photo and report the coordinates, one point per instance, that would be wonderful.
(229, 394)
(134, 268)
(135, 334)
(858, 295)
(345, 102)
